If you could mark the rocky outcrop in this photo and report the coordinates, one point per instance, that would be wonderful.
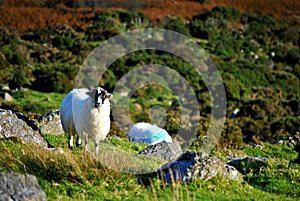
(12, 126)
(15, 187)
(197, 165)
(30, 123)
(292, 141)
(247, 164)
(50, 123)
(6, 96)
(168, 151)
(193, 165)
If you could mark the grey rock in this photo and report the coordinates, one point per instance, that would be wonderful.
(168, 151)
(247, 164)
(6, 96)
(50, 123)
(292, 141)
(257, 146)
(30, 123)
(17, 187)
(12, 126)
(194, 165)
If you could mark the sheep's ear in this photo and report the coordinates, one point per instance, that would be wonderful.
(108, 96)
(92, 93)
(91, 88)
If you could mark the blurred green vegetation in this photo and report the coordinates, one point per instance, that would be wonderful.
(257, 56)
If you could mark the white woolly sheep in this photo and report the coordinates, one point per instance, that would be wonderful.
(86, 113)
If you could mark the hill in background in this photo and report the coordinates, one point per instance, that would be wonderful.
(22, 15)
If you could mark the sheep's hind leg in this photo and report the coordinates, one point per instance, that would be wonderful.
(78, 141)
(86, 144)
(96, 148)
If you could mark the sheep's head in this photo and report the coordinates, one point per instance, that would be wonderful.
(98, 96)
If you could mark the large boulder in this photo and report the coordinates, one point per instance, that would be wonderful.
(193, 165)
(248, 164)
(168, 151)
(197, 165)
(50, 123)
(15, 187)
(6, 96)
(12, 126)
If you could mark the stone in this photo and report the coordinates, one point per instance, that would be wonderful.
(15, 186)
(247, 164)
(6, 96)
(197, 165)
(11, 126)
(30, 123)
(193, 165)
(168, 151)
(292, 141)
(50, 123)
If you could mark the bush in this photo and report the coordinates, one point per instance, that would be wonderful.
(198, 29)
(13, 106)
(12, 56)
(63, 43)
(232, 136)
(22, 77)
(176, 24)
(285, 125)
(222, 13)
(54, 78)
(227, 13)
(6, 70)
(293, 57)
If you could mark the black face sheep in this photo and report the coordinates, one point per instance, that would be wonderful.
(86, 113)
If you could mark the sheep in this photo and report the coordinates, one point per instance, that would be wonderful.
(86, 114)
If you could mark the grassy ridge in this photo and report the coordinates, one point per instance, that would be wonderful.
(74, 176)
(34, 102)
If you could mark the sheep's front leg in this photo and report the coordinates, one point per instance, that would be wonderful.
(70, 138)
(78, 141)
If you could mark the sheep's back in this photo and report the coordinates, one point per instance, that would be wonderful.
(80, 110)
(66, 113)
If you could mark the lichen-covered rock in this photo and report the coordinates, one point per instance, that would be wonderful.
(17, 187)
(12, 126)
(50, 123)
(247, 164)
(168, 151)
(193, 165)
(292, 141)
(6, 96)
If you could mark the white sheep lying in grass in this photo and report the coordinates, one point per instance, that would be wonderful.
(86, 113)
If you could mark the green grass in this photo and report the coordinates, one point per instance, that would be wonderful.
(37, 102)
(273, 150)
(72, 175)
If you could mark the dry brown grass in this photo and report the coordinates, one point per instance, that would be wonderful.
(22, 15)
